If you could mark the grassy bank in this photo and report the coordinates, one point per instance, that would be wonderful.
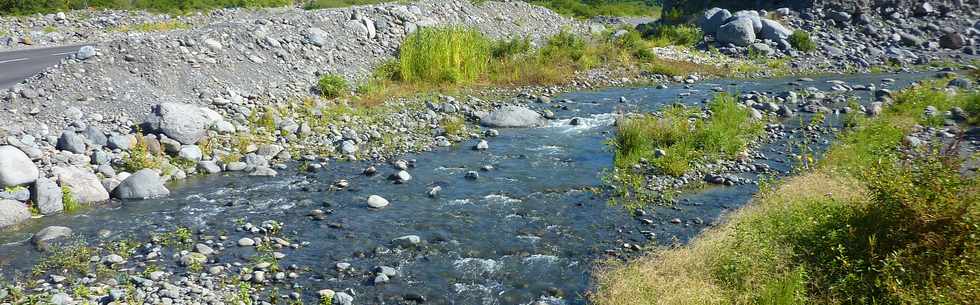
(871, 224)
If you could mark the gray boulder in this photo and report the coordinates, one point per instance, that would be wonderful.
(208, 167)
(15, 167)
(754, 17)
(85, 52)
(85, 186)
(13, 212)
(512, 116)
(317, 37)
(712, 19)
(71, 141)
(182, 122)
(191, 152)
(143, 184)
(739, 32)
(774, 31)
(47, 196)
(953, 41)
(95, 136)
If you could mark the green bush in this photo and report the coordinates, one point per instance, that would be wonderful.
(801, 41)
(452, 54)
(564, 46)
(669, 34)
(332, 86)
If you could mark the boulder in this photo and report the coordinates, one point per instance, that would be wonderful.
(182, 122)
(754, 17)
(15, 167)
(13, 212)
(143, 184)
(191, 152)
(85, 186)
(712, 19)
(85, 52)
(774, 31)
(317, 37)
(47, 196)
(95, 136)
(512, 116)
(739, 32)
(71, 141)
(952, 41)
(377, 202)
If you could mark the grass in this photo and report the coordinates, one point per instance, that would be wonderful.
(27, 7)
(801, 41)
(140, 157)
(333, 86)
(160, 26)
(671, 35)
(869, 225)
(592, 8)
(455, 54)
(68, 200)
(685, 137)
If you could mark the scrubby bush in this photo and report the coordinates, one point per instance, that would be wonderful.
(801, 41)
(452, 54)
(332, 86)
(670, 34)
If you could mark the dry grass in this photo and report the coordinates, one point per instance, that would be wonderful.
(689, 275)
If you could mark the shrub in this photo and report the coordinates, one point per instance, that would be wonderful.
(564, 46)
(140, 156)
(592, 8)
(332, 86)
(801, 41)
(452, 54)
(669, 34)
(503, 49)
(68, 200)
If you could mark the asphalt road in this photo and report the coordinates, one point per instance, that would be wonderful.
(16, 66)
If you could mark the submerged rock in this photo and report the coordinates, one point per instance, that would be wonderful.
(143, 184)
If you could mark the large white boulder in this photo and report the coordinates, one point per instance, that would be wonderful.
(15, 167)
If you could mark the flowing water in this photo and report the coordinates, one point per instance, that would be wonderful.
(530, 229)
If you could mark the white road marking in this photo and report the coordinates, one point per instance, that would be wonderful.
(13, 60)
(65, 53)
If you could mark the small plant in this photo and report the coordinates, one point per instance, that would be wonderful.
(801, 41)
(672, 35)
(454, 125)
(326, 299)
(68, 200)
(332, 86)
(140, 156)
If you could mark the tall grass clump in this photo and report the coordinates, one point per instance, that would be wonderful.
(455, 55)
(801, 41)
(508, 48)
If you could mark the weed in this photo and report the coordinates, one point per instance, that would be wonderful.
(68, 200)
(671, 35)
(801, 41)
(454, 125)
(332, 86)
(140, 156)
(148, 27)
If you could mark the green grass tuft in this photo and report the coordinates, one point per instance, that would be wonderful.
(332, 86)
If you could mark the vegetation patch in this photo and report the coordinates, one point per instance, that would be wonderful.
(871, 224)
(161, 26)
(671, 34)
(333, 86)
(801, 41)
(592, 8)
(453, 54)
